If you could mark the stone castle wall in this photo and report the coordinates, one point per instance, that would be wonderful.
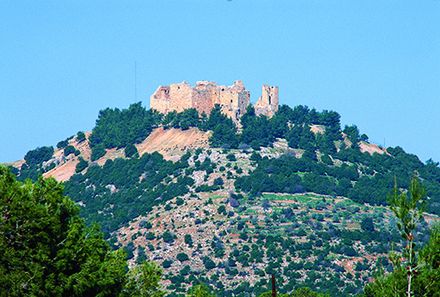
(205, 95)
(268, 103)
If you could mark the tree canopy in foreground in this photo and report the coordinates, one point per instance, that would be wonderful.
(416, 271)
(47, 250)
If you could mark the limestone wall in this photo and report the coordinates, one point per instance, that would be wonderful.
(205, 94)
(176, 97)
(267, 104)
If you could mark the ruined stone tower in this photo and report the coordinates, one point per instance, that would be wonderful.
(205, 95)
(267, 104)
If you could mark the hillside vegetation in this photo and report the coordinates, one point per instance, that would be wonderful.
(294, 195)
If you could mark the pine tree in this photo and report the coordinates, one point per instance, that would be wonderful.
(416, 271)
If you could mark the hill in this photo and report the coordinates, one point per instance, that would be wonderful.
(229, 204)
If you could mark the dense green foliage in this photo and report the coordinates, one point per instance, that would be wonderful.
(144, 281)
(298, 243)
(352, 133)
(416, 272)
(370, 179)
(38, 155)
(82, 164)
(131, 151)
(183, 120)
(80, 136)
(35, 163)
(224, 131)
(320, 161)
(201, 290)
(46, 249)
(301, 292)
(98, 151)
(125, 188)
(257, 131)
(63, 143)
(289, 174)
(362, 177)
(71, 150)
(118, 128)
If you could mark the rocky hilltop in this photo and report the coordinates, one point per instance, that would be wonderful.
(218, 191)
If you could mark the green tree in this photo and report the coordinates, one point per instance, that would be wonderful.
(144, 281)
(367, 224)
(97, 152)
(325, 143)
(80, 136)
(45, 247)
(200, 290)
(63, 143)
(293, 136)
(332, 122)
(47, 250)
(279, 121)
(38, 155)
(307, 139)
(168, 237)
(307, 292)
(81, 165)
(408, 210)
(182, 257)
(188, 240)
(188, 118)
(141, 257)
(416, 272)
(223, 128)
(352, 133)
(256, 130)
(69, 150)
(209, 264)
(131, 151)
(118, 128)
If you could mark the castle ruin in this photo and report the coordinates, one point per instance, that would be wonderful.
(205, 95)
(267, 104)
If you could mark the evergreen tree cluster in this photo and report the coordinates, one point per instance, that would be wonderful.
(47, 250)
(416, 270)
(370, 178)
(125, 188)
(118, 128)
(364, 178)
(183, 120)
(38, 155)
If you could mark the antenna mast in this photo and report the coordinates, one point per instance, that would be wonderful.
(135, 80)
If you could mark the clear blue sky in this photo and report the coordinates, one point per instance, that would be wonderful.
(375, 62)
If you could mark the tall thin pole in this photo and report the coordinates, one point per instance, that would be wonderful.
(135, 80)
(274, 288)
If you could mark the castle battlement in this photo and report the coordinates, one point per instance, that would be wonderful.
(205, 95)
